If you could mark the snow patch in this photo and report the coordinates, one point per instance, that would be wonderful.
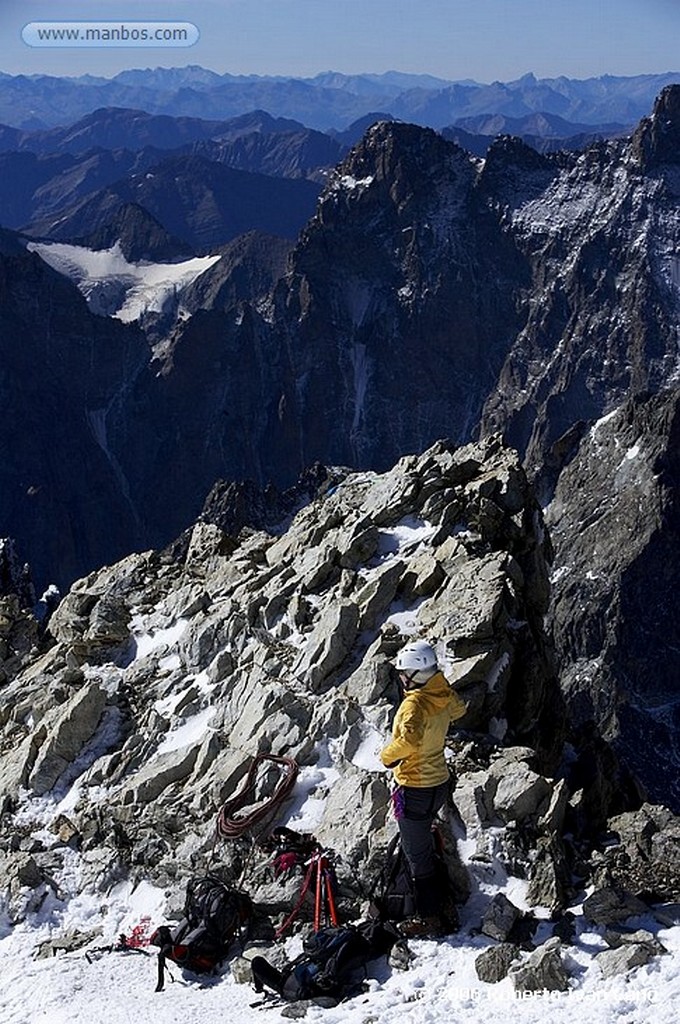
(366, 754)
(189, 734)
(409, 533)
(115, 287)
(497, 671)
(311, 791)
(347, 181)
(602, 421)
(146, 642)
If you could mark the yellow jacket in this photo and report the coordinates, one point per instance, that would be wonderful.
(416, 751)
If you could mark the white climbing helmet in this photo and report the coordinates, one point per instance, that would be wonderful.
(416, 656)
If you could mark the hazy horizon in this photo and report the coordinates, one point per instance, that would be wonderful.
(490, 40)
(335, 71)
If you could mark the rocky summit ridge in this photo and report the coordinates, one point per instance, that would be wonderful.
(135, 712)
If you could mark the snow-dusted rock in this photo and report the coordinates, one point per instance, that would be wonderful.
(160, 772)
(329, 644)
(645, 856)
(549, 874)
(543, 971)
(282, 642)
(609, 906)
(520, 793)
(623, 959)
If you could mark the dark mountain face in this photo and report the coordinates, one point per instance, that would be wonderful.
(615, 524)
(140, 237)
(300, 154)
(539, 124)
(598, 238)
(64, 198)
(40, 188)
(63, 496)
(393, 273)
(425, 297)
(247, 272)
(68, 176)
(21, 176)
(115, 128)
(198, 201)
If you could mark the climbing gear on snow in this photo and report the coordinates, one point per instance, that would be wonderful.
(288, 848)
(214, 916)
(135, 942)
(330, 962)
(434, 927)
(320, 873)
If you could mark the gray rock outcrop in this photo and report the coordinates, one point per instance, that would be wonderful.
(500, 918)
(494, 963)
(543, 971)
(166, 676)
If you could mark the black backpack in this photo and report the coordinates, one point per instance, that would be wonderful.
(393, 896)
(330, 963)
(214, 915)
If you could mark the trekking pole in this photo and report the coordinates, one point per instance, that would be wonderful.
(318, 894)
(296, 909)
(329, 882)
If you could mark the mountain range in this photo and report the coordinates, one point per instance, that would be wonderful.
(168, 320)
(327, 101)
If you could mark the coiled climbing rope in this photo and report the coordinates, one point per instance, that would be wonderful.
(229, 826)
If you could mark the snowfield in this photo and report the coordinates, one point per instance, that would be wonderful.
(100, 985)
(115, 287)
(440, 985)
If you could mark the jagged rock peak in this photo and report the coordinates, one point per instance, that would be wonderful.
(511, 164)
(140, 236)
(391, 150)
(166, 676)
(656, 141)
(235, 505)
(508, 149)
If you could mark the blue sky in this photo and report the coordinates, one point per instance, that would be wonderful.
(455, 39)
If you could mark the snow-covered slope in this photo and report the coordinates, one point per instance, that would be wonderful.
(115, 287)
(440, 987)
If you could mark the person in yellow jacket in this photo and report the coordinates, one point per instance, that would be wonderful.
(416, 756)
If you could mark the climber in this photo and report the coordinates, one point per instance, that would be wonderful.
(416, 756)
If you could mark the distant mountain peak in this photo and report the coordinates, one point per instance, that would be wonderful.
(657, 139)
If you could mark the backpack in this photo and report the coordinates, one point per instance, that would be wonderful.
(214, 915)
(329, 964)
(393, 895)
